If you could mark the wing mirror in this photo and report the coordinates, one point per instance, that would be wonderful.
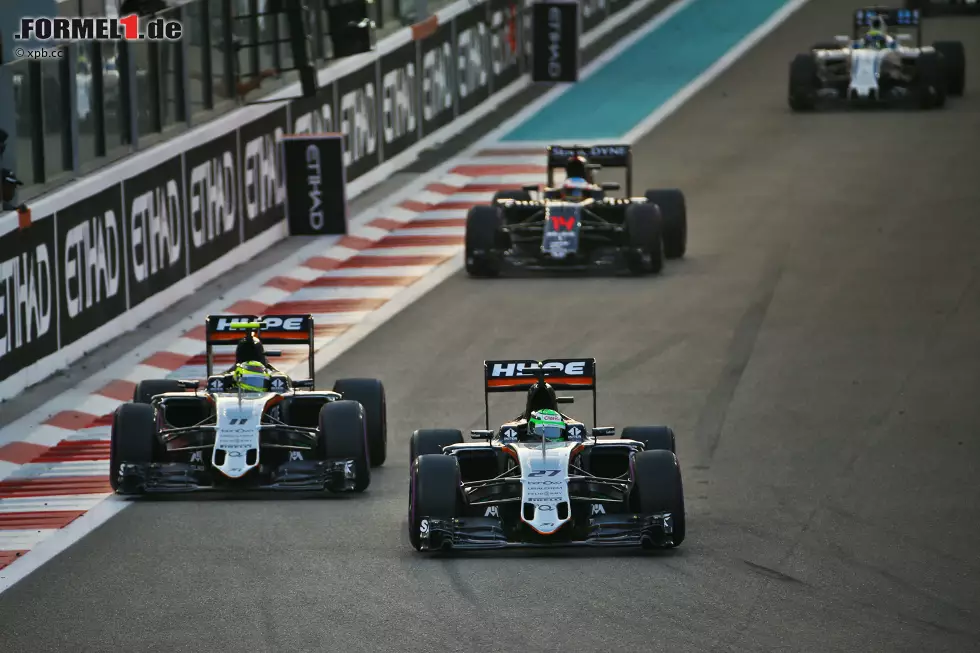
(843, 39)
(566, 400)
(305, 383)
(905, 38)
(604, 431)
(188, 385)
(610, 185)
(275, 353)
(531, 188)
(481, 434)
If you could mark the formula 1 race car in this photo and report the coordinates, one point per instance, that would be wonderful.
(874, 67)
(945, 7)
(259, 430)
(543, 478)
(577, 226)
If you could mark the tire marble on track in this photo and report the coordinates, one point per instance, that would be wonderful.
(816, 354)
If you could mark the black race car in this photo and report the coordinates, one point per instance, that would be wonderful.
(546, 228)
(536, 483)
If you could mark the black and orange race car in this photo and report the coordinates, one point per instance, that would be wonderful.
(577, 225)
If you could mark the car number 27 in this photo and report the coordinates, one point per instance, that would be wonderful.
(544, 472)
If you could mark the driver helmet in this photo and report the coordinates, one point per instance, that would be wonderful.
(577, 166)
(251, 376)
(575, 189)
(548, 425)
(875, 38)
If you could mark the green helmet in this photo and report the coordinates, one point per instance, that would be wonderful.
(251, 376)
(548, 424)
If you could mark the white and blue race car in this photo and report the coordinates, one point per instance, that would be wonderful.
(875, 66)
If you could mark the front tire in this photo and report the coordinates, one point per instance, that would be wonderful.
(483, 225)
(673, 212)
(433, 494)
(133, 440)
(343, 434)
(657, 488)
(370, 393)
(644, 239)
(803, 83)
(930, 83)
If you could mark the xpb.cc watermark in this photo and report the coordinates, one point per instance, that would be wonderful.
(98, 28)
(40, 54)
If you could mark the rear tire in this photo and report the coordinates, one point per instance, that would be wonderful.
(518, 194)
(673, 212)
(432, 441)
(370, 393)
(803, 83)
(343, 434)
(644, 239)
(133, 440)
(433, 493)
(930, 83)
(657, 487)
(483, 225)
(653, 437)
(954, 61)
(146, 390)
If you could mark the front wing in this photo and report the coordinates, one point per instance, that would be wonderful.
(299, 475)
(629, 530)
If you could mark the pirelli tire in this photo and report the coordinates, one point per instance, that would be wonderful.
(518, 194)
(432, 441)
(343, 435)
(953, 56)
(370, 393)
(434, 493)
(652, 437)
(482, 242)
(930, 81)
(803, 83)
(644, 239)
(133, 440)
(146, 390)
(673, 212)
(658, 488)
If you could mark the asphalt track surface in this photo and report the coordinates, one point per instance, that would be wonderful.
(816, 354)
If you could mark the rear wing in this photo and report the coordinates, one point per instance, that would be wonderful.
(607, 156)
(520, 375)
(892, 17)
(270, 329)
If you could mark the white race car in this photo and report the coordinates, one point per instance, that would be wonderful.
(256, 431)
(544, 478)
(876, 66)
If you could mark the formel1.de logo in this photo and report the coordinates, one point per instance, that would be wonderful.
(98, 28)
